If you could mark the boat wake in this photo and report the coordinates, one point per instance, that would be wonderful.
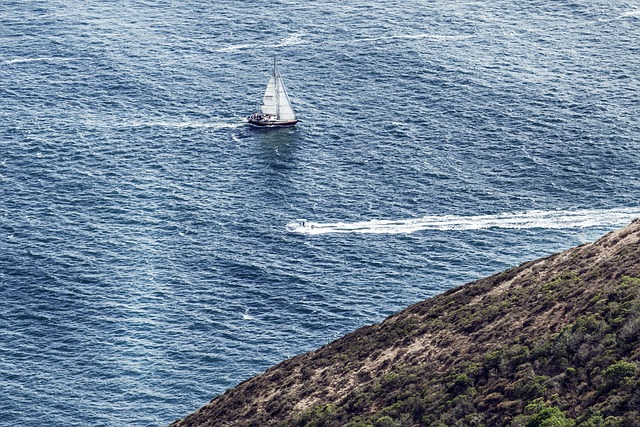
(185, 125)
(23, 60)
(532, 219)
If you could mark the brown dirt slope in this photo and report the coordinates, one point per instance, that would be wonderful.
(553, 342)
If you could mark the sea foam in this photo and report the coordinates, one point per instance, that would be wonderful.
(519, 220)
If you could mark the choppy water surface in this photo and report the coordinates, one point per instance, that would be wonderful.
(151, 253)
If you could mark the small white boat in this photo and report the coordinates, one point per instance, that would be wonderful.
(276, 108)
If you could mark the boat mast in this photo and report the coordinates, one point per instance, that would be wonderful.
(276, 83)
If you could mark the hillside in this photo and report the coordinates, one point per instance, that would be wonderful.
(553, 342)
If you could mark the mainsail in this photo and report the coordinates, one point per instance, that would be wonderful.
(269, 104)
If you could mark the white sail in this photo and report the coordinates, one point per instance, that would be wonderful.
(269, 105)
(285, 111)
(276, 100)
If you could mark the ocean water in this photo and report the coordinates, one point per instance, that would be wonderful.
(152, 253)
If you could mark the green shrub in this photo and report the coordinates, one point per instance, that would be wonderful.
(386, 421)
(318, 416)
(359, 422)
(595, 420)
(620, 370)
(461, 382)
(544, 415)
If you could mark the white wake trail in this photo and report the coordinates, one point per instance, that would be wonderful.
(184, 124)
(23, 60)
(520, 220)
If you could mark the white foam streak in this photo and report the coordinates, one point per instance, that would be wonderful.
(233, 48)
(419, 36)
(291, 40)
(633, 13)
(297, 38)
(185, 125)
(521, 220)
(22, 60)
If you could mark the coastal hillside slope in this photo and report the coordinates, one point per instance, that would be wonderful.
(552, 342)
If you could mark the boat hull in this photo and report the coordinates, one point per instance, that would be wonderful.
(272, 123)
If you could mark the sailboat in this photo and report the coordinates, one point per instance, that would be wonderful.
(276, 108)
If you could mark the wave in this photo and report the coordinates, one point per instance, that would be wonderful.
(419, 36)
(235, 47)
(22, 60)
(297, 38)
(632, 13)
(291, 40)
(520, 220)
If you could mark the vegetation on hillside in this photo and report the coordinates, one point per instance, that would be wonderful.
(585, 375)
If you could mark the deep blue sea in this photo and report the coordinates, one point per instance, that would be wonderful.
(150, 251)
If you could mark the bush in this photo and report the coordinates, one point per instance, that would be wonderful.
(546, 416)
(386, 421)
(620, 370)
(318, 416)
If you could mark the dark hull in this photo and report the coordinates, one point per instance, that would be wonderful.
(272, 123)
